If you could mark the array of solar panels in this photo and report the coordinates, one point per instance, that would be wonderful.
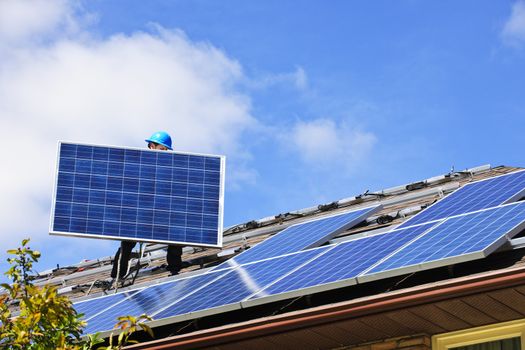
(138, 194)
(257, 269)
(301, 236)
(474, 196)
(466, 235)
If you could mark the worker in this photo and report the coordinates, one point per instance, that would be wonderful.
(162, 141)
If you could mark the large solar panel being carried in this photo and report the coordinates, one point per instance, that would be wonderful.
(302, 236)
(138, 194)
(474, 196)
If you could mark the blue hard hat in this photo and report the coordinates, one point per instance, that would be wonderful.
(162, 138)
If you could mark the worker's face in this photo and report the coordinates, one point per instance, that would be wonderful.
(152, 145)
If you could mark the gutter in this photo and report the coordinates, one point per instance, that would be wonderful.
(381, 303)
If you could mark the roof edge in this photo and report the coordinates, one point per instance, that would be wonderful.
(344, 310)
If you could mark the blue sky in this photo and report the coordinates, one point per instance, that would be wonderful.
(310, 101)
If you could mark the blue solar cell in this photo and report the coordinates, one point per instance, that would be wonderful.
(474, 196)
(239, 284)
(116, 155)
(212, 164)
(181, 161)
(69, 150)
(345, 261)
(150, 300)
(68, 164)
(130, 193)
(301, 236)
(466, 237)
(164, 160)
(131, 156)
(84, 152)
(100, 153)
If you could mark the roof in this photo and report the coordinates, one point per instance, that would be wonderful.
(91, 278)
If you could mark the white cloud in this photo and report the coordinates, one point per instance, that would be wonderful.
(322, 142)
(21, 20)
(300, 79)
(297, 78)
(514, 29)
(115, 90)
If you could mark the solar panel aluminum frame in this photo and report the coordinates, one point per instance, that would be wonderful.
(87, 235)
(512, 199)
(363, 277)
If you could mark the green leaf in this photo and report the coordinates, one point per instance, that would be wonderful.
(121, 337)
(147, 329)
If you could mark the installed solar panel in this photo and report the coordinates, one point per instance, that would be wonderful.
(474, 196)
(151, 300)
(92, 307)
(138, 194)
(457, 239)
(238, 284)
(301, 236)
(339, 266)
(212, 290)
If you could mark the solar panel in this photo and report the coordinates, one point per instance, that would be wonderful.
(138, 194)
(457, 239)
(212, 290)
(301, 236)
(150, 300)
(338, 267)
(92, 307)
(285, 266)
(474, 196)
(228, 291)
